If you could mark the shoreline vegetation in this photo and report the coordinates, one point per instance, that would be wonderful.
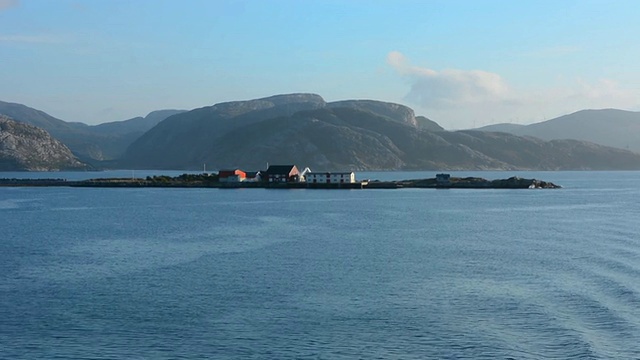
(212, 181)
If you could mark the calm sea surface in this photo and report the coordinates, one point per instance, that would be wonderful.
(323, 274)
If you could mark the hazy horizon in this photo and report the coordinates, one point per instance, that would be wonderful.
(460, 63)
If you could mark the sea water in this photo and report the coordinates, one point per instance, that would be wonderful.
(153, 273)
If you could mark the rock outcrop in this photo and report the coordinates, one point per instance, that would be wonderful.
(396, 112)
(513, 182)
(25, 147)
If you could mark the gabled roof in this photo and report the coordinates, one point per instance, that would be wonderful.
(279, 169)
(227, 173)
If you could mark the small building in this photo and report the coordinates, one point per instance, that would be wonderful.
(235, 175)
(330, 177)
(253, 176)
(303, 174)
(443, 179)
(281, 174)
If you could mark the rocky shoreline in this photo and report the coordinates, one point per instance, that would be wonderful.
(203, 182)
(479, 183)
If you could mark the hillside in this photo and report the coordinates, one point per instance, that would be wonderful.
(113, 138)
(610, 127)
(181, 140)
(138, 125)
(25, 147)
(357, 135)
(427, 124)
(90, 143)
(508, 128)
(351, 139)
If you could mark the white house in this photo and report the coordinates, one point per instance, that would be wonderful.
(303, 174)
(331, 177)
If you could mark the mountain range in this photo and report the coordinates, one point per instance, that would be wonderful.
(611, 127)
(352, 134)
(91, 143)
(306, 130)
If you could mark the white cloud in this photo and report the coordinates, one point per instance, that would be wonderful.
(6, 4)
(449, 87)
(463, 99)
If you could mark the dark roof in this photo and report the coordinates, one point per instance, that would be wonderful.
(279, 169)
(227, 173)
(252, 174)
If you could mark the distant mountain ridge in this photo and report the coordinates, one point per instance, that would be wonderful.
(25, 147)
(610, 127)
(352, 134)
(98, 142)
(306, 130)
(138, 124)
(187, 136)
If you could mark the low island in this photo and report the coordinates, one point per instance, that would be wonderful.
(444, 181)
(441, 181)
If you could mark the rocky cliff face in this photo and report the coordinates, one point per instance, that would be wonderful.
(396, 112)
(25, 147)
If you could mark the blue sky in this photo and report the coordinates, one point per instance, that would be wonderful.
(460, 63)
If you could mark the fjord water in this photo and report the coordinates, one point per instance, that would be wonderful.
(323, 274)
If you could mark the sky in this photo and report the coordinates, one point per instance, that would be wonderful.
(460, 63)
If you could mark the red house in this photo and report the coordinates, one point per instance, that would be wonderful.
(236, 175)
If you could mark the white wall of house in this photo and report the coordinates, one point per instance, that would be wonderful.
(278, 178)
(331, 178)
